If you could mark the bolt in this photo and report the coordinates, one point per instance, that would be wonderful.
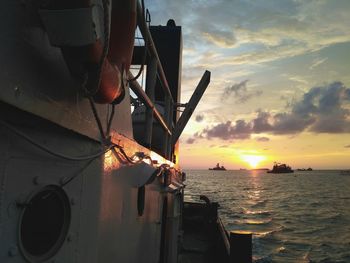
(13, 251)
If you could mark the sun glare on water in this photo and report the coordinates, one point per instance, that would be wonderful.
(253, 160)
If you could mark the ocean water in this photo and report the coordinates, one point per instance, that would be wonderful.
(300, 217)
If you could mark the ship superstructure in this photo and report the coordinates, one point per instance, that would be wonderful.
(89, 169)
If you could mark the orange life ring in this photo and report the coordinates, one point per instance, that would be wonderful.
(121, 46)
(88, 57)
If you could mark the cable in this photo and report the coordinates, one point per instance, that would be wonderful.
(90, 157)
(129, 159)
(46, 149)
(109, 123)
(77, 174)
(97, 119)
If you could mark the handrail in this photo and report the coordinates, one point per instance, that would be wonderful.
(224, 236)
(135, 86)
(152, 49)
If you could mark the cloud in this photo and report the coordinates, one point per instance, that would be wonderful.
(252, 32)
(240, 92)
(318, 62)
(262, 122)
(237, 89)
(199, 118)
(219, 37)
(262, 139)
(228, 131)
(323, 109)
(347, 146)
(190, 140)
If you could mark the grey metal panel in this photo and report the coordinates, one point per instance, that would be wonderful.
(34, 76)
(124, 236)
(73, 27)
(136, 175)
(105, 224)
(24, 170)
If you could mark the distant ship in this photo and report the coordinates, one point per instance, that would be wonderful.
(303, 169)
(218, 168)
(345, 172)
(279, 168)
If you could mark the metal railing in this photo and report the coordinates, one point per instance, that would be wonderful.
(154, 71)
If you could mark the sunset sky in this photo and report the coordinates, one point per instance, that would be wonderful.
(280, 83)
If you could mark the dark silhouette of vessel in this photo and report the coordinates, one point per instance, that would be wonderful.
(303, 169)
(218, 168)
(280, 168)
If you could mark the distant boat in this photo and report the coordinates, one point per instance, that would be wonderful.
(280, 168)
(345, 172)
(218, 168)
(303, 169)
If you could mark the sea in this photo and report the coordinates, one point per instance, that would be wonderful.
(297, 217)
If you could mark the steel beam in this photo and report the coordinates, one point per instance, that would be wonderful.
(140, 93)
(191, 105)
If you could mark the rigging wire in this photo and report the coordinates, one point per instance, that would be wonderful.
(112, 146)
(110, 120)
(48, 150)
(97, 119)
(70, 179)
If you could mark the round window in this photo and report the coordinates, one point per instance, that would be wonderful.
(44, 223)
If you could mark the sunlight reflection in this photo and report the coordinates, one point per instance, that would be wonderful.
(252, 160)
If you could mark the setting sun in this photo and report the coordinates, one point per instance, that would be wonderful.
(253, 160)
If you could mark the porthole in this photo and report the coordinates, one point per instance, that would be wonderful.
(44, 223)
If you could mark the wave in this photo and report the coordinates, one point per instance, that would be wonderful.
(257, 212)
(264, 259)
(299, 215)
(309, 231)
(259, 203)
(266, 234)
(255, 221)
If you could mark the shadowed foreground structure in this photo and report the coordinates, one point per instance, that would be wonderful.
(205, 239)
